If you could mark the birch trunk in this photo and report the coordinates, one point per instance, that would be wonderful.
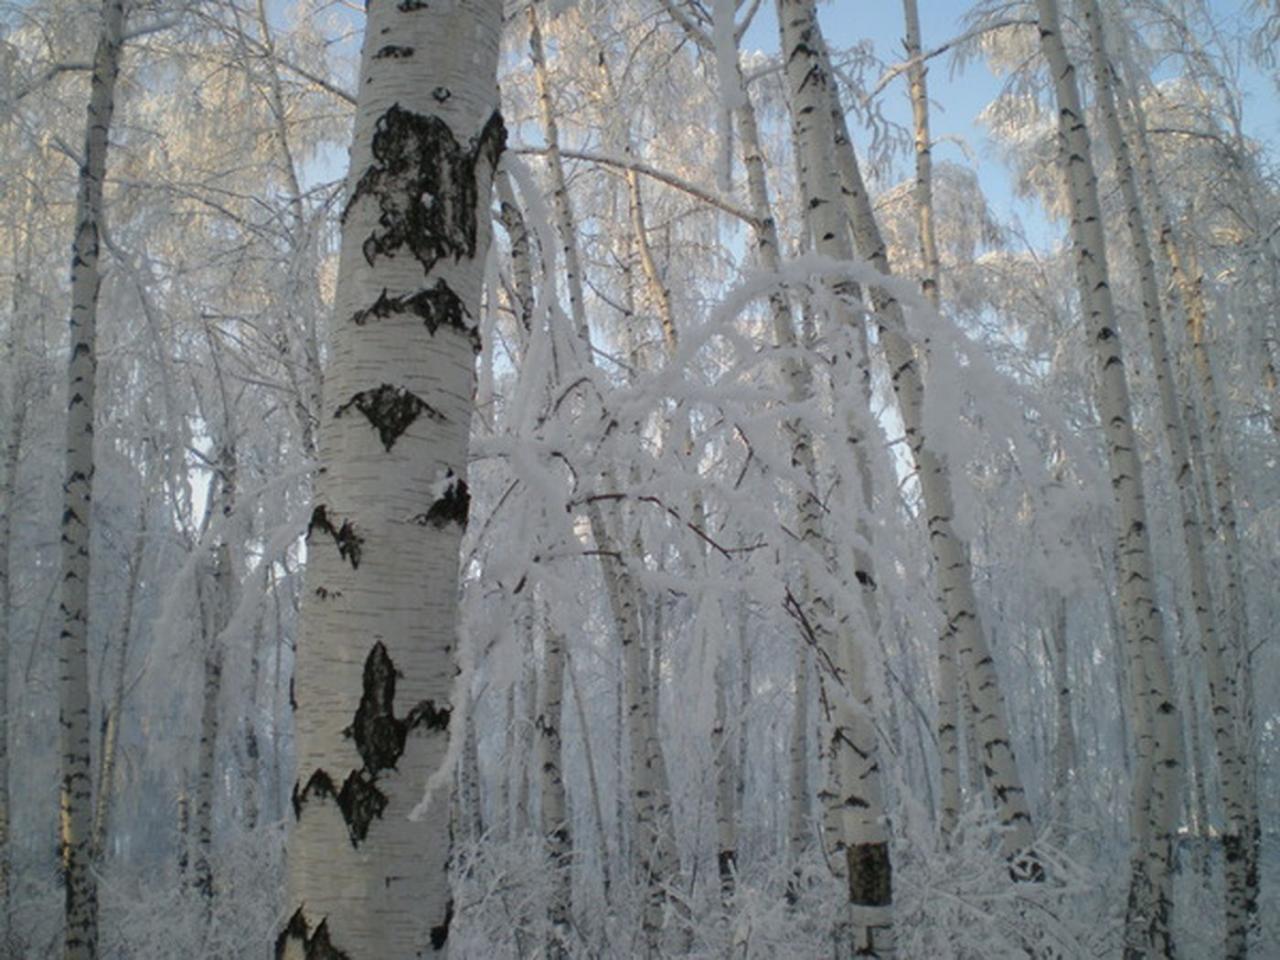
(217, 603)
(963, 637)
(622, 592)
(1064, 745)
(863, 828)
(1157, 788)
(81, 904)
(1221, 687)
(949, 716)
(799, 830)
(110, 743)
(16, 412)
(376, 664)
(555, 819)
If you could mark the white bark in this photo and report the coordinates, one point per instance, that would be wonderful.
(376, 664)
(651, 840)
(109, 745)
(1221, 687)
(1158, 768)
(963, 637)
(1064, 743)
(81, 905)
(863, 828)
(555, 818)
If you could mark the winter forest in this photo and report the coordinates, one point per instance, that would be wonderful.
(607, 479)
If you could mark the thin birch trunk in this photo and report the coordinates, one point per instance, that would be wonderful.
(863, 827)
(1064, 744)
(621, 590)
(799, 830)
(1221, 687)
(81, 905)
(555, 818)
(376, 665)
(963, 637)
(1157, 788)
(949, 715)
(110, 743)
(16, 411)
(217, 603)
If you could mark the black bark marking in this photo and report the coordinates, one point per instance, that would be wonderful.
(389, 410)
(424, 182)
(378, 734)
(348, 542)
(392, 52)
(359, 800)
(440, 932)
(438, 307)
(411, 6)
(454, 505)
(315, 946)
(870, 874)
(379, 738)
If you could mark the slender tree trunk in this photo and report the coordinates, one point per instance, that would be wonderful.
(217, 603)
(1157, 788)
(863, 829)
(623, 594)
(1064, 745)
(375, 666)
(1221, 686)
(963, 637)
(110, 743)
(799, 830)
(15, 417)
(555, 814)
(81, 904)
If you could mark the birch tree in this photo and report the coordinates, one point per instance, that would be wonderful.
(1157, 780)
(376, 659)
(81, 917)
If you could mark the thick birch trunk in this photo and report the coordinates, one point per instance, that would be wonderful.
(81, 905)
(1221, 687)
(1157, 790)
(376, 665)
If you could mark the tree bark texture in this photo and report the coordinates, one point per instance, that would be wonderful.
(1222, 698)
(376, 656)
(74, 709)
(1158, 768)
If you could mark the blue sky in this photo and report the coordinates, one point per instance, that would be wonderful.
(958, 98)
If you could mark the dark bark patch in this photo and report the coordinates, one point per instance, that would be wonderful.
(359, 800)
(378, 733)
(424, 183)
(315, 946)
(411, 6)
(440, 932)
(389, 410)
(453, 506)
(870, 874)
(348, 542)
(392, 52)
(438, 307)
